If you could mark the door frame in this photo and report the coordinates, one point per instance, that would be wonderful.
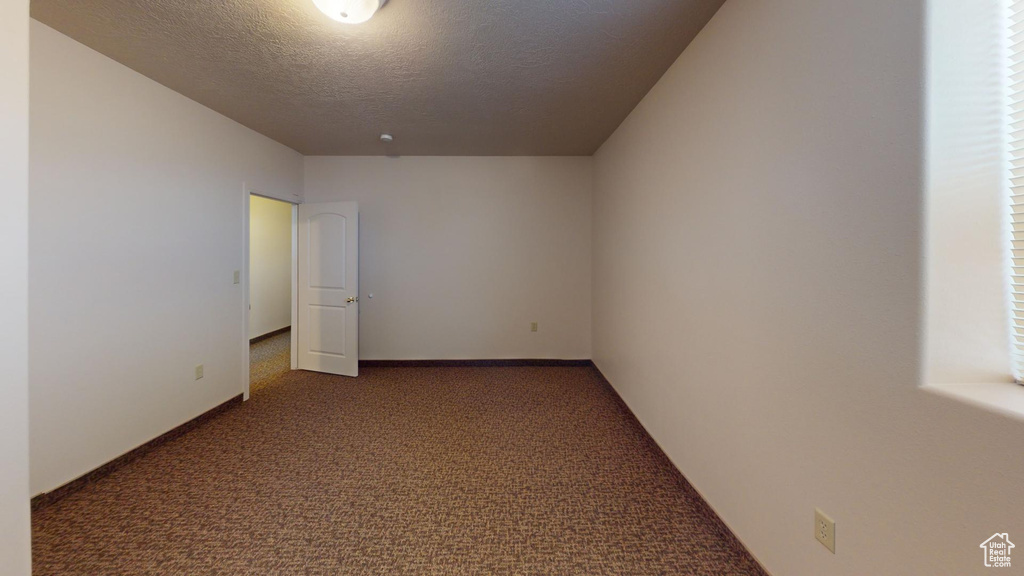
(247, 192)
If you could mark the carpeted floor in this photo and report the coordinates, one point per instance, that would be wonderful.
(400, 471)
(269, 361)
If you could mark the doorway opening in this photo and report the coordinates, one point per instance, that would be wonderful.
(324, 337)
(270, 275)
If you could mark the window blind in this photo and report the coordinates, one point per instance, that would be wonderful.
(1015, 160)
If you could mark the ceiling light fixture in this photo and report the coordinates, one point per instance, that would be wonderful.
(350, 11)
(387, 138)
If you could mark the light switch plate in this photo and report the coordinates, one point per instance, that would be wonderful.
(533, 326)
(825, 530)
(199, 372)
(238, 276)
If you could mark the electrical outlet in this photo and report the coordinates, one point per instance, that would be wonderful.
(825, 530)
(533, 326)
(199, 372)
(238, 276)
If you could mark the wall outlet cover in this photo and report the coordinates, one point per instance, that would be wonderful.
(825, 530)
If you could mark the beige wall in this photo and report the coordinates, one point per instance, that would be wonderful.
(763, 208)
(462, 254)
(14, 490)
(137, 225)
(270, 265)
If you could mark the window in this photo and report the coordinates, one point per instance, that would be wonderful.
(974, 209)
(1015, 170)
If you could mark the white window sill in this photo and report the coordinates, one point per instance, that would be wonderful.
(1003, 397)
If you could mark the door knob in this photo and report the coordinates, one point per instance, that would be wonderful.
(352, 299)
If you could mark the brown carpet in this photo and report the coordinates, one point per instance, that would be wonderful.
(400, 471)
(269, 361)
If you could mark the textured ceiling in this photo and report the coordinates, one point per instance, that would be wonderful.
(446, 77)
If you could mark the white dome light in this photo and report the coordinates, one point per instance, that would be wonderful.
(349, 11)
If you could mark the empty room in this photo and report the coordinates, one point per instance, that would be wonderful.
(602, 287)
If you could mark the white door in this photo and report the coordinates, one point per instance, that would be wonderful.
(328, 288)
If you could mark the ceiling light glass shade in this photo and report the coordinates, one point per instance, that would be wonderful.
(349, 11)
